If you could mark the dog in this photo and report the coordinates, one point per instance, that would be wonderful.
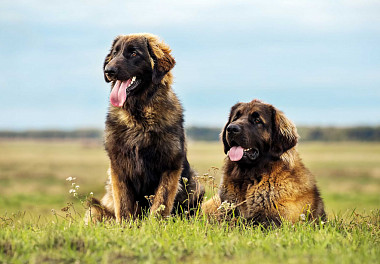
(144, 135)
(264, 180)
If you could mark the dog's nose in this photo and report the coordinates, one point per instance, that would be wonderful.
(110, 71)
(234, 129)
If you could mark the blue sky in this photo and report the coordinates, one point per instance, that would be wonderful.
(318, 61)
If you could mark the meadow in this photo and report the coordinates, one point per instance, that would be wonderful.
(41, 222)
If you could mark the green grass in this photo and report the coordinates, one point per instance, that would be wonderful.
(195, 240)
(32, 183)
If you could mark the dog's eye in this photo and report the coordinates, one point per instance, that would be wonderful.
(115, 50)
(257, 120)
(237, 116)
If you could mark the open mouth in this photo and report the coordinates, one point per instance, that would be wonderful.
(236, 153)
(121, 90)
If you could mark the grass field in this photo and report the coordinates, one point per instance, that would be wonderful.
(32, 183)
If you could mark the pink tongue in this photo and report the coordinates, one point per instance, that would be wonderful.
(236, 153)
(119, 93)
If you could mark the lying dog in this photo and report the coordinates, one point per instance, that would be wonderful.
(144, 135)
(264, 176)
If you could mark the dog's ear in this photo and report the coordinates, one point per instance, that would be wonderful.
(163, 61)
(284, 133)
(224, 131)
(109, 57)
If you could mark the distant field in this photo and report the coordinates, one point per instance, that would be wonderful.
(33, 173)
(32, 183)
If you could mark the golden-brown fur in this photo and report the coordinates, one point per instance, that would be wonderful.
(144, 137)
(269, 183)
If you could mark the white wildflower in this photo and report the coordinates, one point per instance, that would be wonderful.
(303, 217)
(226, 206)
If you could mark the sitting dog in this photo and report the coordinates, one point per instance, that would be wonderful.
(263, 176)
(144, 134)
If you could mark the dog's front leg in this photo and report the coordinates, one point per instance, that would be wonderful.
(166, 192)
(122, 198)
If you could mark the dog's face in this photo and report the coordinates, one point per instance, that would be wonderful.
(134, 63)
(257, 130)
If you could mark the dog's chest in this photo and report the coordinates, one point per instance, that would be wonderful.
(141, 159)
(138, 151)
(253, 192)
(134, 144)
(269, 193)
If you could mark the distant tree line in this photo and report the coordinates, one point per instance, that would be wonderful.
(362, 133)
(52, 134)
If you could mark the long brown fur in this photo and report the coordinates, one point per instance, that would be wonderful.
(273, 186)
(145, 138)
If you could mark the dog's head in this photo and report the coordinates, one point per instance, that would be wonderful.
(134, 63)
(257, 130)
